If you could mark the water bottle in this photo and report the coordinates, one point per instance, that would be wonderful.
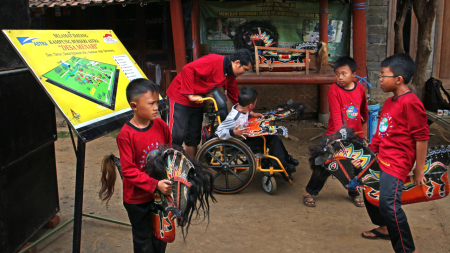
(374, 108)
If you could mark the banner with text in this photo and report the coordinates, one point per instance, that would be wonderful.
(296, 22)
(85, 73)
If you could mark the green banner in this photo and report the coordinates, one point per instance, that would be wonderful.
(296, 22)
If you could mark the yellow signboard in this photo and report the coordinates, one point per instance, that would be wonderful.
(84, 72)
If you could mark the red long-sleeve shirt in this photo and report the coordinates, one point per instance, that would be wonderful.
(135, 146)
(347, 106)
(402, 122)
(201, 76)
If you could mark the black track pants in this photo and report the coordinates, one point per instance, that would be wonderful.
(391, 214)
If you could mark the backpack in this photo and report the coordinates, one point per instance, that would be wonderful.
(433, 97)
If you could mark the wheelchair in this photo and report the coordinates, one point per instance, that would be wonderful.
(231, 161)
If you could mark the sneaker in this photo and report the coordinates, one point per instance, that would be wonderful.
(292, 161)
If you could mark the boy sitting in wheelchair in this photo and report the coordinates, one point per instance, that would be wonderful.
(235, 125)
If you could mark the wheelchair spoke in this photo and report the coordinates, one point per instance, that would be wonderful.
(226, 179)
(215, 176)
(228, 160)
(239, 165)
(234, 156)
(237, 175)
(215, 166)
(240, 159)
(215, 157)
(224, 153)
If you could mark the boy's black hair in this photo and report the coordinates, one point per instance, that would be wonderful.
(138, 87)
(345, 61)
(244, 56)
(247, 96)
(401, 65)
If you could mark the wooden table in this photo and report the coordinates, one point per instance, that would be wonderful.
(443, 121)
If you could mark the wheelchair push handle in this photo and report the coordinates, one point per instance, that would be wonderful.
(209, 98)
(216, 108)
(206, 98)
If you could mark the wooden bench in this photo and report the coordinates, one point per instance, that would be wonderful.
(443, 121)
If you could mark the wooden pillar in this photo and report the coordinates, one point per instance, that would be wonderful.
(179, 45)
(359, 37)
(323, 37)
(195, 29)
(323, 21)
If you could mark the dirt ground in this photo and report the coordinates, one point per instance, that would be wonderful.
(250, 221)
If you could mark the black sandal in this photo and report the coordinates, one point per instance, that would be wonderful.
(377, 236)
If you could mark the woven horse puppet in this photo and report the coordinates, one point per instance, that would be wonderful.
(192, 188)
(261, 126)
(335, 153)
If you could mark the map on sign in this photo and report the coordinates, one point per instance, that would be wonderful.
(92, 80)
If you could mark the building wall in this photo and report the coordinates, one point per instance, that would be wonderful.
(377, 30)
(377, 39)
(271, 95)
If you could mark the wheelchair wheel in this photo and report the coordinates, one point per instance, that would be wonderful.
(230, 161)
(269, 185)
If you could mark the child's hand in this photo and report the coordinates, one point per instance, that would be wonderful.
(164, 186)
(255, 115)
(357, 163)
(365, 142)
(240, 131)
(419, 177)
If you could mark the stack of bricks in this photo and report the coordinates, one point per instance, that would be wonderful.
(377, 30)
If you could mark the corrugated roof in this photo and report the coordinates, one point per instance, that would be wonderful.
(68, 3)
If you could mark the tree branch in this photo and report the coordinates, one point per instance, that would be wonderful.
(425, 11)
(398, 27)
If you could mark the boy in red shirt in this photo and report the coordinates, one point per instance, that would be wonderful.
(401, 138)
(138, 139)
(195, 80)
(348, 105)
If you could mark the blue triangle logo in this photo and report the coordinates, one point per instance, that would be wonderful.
(25, 40)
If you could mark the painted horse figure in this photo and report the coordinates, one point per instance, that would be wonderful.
(335, 153)
(192, 188)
